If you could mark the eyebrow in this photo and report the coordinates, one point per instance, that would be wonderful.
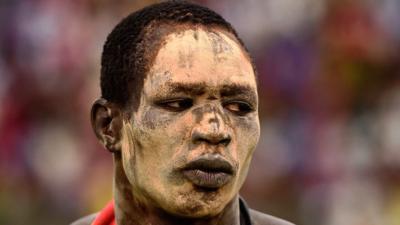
(227, 90)
(230, 90)
(187, 88)
(241, 91)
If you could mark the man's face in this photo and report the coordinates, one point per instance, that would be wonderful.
(188, 147)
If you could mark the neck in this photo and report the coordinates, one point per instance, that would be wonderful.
(131, 211)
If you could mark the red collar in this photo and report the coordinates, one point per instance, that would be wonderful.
(106, 215)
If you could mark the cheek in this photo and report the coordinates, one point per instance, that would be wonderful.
(247, 133)
(159, 145)
(153, 130)
(161, 137)
(156, 119)
(127, 150)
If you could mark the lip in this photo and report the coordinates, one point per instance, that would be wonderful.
(210, 171)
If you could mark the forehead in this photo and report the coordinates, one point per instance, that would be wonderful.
(200, 55)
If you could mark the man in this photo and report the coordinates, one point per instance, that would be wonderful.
(179, 112)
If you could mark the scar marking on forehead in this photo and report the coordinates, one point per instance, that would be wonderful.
(219, 44)
(185, 59)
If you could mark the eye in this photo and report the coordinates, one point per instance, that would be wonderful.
(238, 107)
(176, 105)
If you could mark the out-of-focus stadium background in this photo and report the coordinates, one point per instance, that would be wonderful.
(329, 75)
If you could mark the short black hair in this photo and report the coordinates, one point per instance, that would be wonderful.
(123, 63)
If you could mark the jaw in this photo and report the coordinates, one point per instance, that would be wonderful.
(190, 201)
(199, 206)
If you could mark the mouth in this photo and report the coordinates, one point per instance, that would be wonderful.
(210, 171)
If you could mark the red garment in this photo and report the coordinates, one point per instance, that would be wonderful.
(106, 216)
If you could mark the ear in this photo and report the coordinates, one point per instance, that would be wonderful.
(106, 118)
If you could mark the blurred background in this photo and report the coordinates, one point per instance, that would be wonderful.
(329, 75)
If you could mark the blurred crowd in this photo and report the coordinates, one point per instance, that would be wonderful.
(329, 86)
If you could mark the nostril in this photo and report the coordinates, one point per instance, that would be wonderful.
(211, 138)
(200, 140)
(197, 138)
(225, 141)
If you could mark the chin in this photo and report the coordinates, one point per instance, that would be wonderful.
(193, 210)
(200, 203)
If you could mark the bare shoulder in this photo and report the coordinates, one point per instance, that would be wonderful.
(259, 218)
(87, 220)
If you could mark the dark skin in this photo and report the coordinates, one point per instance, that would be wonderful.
(198, 104)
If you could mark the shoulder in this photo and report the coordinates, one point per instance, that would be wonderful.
(87, 220)
(259, 218)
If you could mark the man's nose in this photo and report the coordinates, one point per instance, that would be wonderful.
(211, 127)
